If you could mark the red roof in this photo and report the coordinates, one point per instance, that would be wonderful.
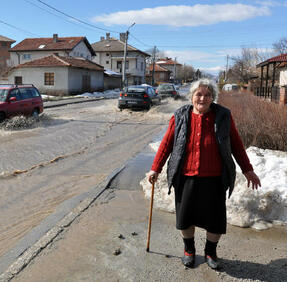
(60, 61)
(158, 68)
(167, 61)
(277, 59)
(44, 44)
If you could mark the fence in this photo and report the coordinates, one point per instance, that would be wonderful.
(270, 93)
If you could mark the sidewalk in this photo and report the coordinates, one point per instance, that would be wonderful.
(91, 249)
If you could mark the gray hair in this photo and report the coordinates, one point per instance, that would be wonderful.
(211, 85)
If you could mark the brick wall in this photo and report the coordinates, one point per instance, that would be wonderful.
(283, 95)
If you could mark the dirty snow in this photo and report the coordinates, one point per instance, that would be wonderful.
(108, 94)
(246, 208)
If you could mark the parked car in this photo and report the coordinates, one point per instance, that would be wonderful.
(23, 99)
(167, 90)
(230, 87)
(138, 96)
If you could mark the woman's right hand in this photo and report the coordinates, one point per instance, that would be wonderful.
(152, 176)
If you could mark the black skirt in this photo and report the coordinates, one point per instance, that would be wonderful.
(200, 201)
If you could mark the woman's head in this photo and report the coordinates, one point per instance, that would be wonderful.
(205, 83)
(202, 93)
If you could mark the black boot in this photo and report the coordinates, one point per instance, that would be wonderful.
(189, 252)
(210, 255)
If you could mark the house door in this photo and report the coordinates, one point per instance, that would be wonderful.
(18, 79)
(86, 83)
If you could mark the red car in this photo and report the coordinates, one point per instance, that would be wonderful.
(23, 99)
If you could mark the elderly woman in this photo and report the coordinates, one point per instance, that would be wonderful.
(201, 139)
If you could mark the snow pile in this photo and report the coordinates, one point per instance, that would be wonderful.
(108, 94)
(246, 207)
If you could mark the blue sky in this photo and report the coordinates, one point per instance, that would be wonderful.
(200, 33)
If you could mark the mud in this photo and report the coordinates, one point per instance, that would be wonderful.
(70, 150)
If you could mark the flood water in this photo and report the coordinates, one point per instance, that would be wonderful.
(70, 150)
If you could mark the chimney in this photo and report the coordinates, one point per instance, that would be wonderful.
(123, 37)
(108, 35)
(102, 38)
(55, 37)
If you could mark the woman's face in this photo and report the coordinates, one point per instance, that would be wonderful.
(201, 100)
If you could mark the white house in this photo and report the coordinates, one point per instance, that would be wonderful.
(58, 75)
(35, 48)
(109, 52)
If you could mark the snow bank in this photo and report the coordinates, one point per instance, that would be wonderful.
(246, 208)
(108, 94)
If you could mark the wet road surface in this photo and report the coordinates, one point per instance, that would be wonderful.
(71, 149)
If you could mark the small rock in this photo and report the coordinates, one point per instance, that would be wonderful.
(117, 252)
(121, 236)
(134, 234)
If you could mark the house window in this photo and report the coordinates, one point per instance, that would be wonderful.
(136, 63)
(49, 78)
(26, 56)
(18, 79)
(4, 44)
(142, 65)
(119, 64)
(127, 65)
(107, 54)
(107, 62)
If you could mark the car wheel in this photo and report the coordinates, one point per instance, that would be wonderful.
(2, 116)
(35, 115)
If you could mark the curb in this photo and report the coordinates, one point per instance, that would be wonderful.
(71, 102)
(31, 252)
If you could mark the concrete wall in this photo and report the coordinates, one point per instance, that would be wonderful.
(66, 80)
(36, 76)
(18, 57)
(75, 83)
(81, 50)
(112, 82)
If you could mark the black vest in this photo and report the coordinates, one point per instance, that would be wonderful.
(222, 134)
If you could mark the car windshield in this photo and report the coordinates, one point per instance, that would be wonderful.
(136, 89)
(165, 87)
(3, 94)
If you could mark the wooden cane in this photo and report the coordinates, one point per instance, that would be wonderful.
(150, 216)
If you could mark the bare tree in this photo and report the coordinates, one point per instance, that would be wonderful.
(186, 73)
(280, 46)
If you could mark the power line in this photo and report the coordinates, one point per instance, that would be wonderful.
(74, 18)
(20, 29)
(58, 16)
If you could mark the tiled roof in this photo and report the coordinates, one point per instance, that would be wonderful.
(60, 61)
(4, 38)
(114, 45)
(277, 59)
(158, 68)
(167, 62)
(49, 44)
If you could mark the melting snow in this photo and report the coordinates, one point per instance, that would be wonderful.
(246, 208)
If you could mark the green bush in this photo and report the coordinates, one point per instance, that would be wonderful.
(260, 123)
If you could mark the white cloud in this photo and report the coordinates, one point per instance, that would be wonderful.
(189, 56)
(180, 15)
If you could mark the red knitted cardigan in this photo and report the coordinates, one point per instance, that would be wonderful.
(202, 157)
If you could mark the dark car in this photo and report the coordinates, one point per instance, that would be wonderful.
(167, 90)
(138, 96)
(22, 99)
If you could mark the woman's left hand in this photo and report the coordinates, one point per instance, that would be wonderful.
(253, 178)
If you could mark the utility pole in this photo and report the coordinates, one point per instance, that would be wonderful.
(125, 56)
(153, 65)
(225, 77)
(174, 70)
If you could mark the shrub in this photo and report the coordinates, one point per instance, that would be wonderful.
(260, 123)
